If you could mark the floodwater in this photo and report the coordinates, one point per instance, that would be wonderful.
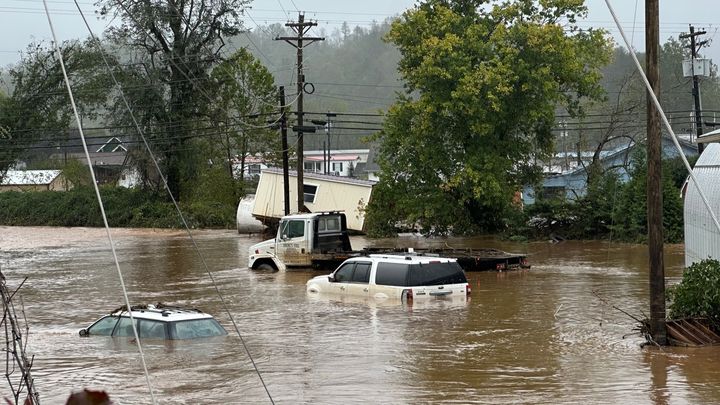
(548, 335)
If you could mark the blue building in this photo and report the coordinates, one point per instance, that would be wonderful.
(570, 180)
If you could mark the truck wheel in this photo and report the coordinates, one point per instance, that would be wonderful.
(265, 267)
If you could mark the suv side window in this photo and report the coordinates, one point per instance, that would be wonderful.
(362, 273)
(394, 274)
(436, 274)
(344, 273)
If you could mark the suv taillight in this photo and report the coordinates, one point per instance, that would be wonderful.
(407, 295)
(468, 290)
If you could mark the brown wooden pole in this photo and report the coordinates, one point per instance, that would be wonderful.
(654, 178)
(283, 139)
(300, 91)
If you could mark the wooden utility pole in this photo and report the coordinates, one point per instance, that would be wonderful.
(694, 46)
(299, 42)
(654, 178)
(283, 134)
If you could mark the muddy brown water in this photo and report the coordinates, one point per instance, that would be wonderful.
(547, 335)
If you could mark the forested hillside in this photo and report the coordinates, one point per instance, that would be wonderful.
(353, 71)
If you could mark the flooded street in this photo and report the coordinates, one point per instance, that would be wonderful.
(548, 335)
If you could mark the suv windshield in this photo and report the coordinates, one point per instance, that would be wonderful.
(414, 275)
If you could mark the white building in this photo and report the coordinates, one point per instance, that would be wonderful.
(702, 238)
(343, 163)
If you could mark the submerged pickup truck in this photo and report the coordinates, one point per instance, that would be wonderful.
(320, 241)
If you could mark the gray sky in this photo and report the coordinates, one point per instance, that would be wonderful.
(24, 21)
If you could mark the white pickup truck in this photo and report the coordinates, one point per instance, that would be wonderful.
(317, 240)
(320, 240)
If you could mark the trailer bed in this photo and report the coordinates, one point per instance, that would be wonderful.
(485, 259)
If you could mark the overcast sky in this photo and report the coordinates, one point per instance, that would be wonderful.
(23, 21)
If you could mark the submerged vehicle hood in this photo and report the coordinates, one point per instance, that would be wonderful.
(262, 247)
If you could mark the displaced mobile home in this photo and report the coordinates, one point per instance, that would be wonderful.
(321, 193)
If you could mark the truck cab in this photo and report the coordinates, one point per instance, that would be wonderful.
(303, 241)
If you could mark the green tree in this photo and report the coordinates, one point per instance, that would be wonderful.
(174, 45)
(244, 99)
(483, 82)
(698, 293)
(630, 210)
(38, 107)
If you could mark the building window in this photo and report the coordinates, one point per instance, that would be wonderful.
(312, 167)
(554, 193)
(337, 167)
(254, 169)
(309, 192)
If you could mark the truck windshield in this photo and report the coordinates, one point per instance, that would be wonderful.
(292, 228)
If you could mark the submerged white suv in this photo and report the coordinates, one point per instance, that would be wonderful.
(158, 321)
(405, 277)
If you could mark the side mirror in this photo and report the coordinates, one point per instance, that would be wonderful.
(331, 278)
(284, 236)
(84, 332)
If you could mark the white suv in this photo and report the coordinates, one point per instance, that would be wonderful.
(407, 277)
(156, 322)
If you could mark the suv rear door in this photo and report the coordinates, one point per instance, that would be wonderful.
(437, 278)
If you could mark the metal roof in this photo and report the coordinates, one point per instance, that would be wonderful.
(326, 177)
(28, 177)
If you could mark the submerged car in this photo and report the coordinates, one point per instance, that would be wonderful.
(404, 277)
(158, 321)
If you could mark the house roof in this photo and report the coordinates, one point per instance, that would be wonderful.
(335, 158)
(326, 177)
(72, 143)
(101, 159)
(28, 177)
(113, 144)
(619, 150)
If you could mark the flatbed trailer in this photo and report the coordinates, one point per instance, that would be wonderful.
(484, 259)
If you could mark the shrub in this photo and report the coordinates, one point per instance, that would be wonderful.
(698, 294)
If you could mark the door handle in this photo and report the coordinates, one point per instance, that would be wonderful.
(365, 289)
(342, 287)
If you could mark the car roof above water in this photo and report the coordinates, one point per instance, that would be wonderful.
(162, 313)
(410, 258)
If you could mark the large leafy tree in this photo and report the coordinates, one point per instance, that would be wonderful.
(244, 99)
(37, 107)
(483, 82)
(174, 44)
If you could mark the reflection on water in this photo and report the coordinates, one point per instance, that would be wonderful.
(541, 336)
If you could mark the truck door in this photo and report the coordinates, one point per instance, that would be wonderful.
(292, 242)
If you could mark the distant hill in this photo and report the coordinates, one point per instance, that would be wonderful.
(352, 71)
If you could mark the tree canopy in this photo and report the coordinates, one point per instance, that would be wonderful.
(37, 109)
(483, 82)
(173, 47)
